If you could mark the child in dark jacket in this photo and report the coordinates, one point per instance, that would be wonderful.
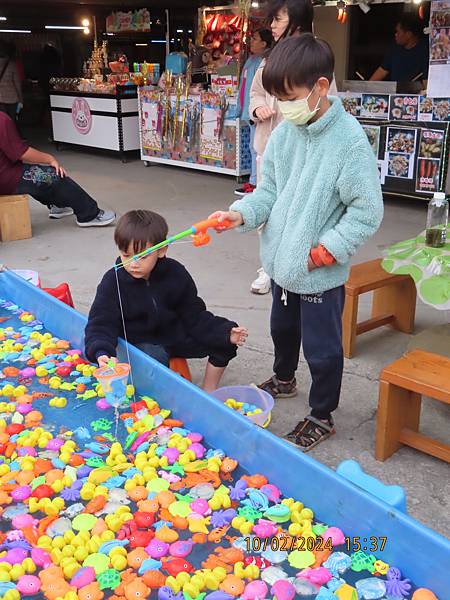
(163, 314)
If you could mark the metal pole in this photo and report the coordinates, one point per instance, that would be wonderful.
(167, 33)
(95, 28)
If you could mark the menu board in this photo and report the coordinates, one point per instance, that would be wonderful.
(373, 135)
(351, 102)
(439, 72)
(375, 106)
(410, 143)
(404, 108)
(399, 107)
(432, 143)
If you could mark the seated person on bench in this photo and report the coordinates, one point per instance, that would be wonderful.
(25, 170)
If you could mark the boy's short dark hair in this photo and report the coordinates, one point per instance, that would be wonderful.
(140, 227)
(297, 61)
(411, 23)
(266, 36)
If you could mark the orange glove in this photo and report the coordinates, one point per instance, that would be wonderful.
(321, 257)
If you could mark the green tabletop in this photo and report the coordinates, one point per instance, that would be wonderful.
(429, 267)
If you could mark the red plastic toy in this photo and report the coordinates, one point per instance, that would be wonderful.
(61, 292)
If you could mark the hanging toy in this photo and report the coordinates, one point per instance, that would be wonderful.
(197, 231)
(113, 378)
(342, 12)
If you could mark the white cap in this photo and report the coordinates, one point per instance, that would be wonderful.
(440, 197)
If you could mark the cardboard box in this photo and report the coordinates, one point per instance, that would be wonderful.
(15, 221)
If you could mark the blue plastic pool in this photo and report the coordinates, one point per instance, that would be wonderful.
(420, 553)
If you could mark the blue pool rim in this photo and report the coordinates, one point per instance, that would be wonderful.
(420, 553)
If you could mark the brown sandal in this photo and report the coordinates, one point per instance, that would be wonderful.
(310, 432)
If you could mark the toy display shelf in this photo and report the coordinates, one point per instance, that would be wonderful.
(235, 157)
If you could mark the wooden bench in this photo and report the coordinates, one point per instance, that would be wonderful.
(394, 302)
(402, 384)
(15, 223)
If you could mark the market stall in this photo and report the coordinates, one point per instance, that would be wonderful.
(98, 120)
(193, 120)
(408, 127)
(409, 135)
(100, 109)
(197, 131)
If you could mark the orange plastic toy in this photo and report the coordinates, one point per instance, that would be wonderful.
(136, 590)
(232, 585)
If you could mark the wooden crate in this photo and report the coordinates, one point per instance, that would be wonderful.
(15, 221)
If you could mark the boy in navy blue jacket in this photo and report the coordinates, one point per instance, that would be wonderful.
(163, 314)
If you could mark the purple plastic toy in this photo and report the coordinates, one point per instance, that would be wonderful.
(283, 590)
(255, 589)
(220, 518)
(200, 506)
(172, 455)
(27, 450)
(395, 586)
(157, 548)
(21, 493)
(166, 593)
(82, 577)
(181, 548)
(41, 557)
(198, 450)
(272, 492)
(336, 535)
(102, 404)
(239, 490)
(27, 372)
(54, 444)
(28, 585)
(15, 556)
(22, 521)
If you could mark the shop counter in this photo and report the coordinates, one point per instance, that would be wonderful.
(105, 121)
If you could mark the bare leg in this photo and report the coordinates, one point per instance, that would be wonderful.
(213, 375)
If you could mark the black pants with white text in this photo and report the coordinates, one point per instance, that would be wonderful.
(314, 320)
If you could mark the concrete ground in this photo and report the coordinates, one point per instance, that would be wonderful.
(60, 251)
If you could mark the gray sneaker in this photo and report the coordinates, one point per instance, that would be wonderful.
(104, 217)
(59, 212)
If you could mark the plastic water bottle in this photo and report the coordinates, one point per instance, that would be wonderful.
(437, 218)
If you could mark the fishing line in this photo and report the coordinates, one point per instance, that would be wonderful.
(125, 334)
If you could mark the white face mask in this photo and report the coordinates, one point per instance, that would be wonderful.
(298, 111)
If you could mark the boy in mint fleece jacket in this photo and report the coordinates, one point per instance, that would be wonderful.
(319, 199)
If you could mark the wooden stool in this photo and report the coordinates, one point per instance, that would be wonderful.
(402, 383)
(15, 221)
(180, 366)
(394, 302)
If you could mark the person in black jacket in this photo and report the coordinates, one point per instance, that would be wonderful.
(161, 309)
